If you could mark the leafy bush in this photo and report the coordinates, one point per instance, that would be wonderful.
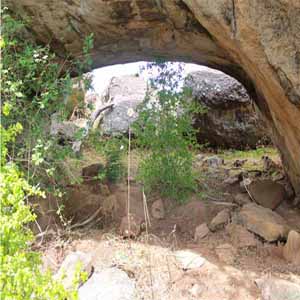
(20, 276)
(112, 149)
(34, 86)
(164, 128)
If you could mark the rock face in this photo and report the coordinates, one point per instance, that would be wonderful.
(263, 222)
(257, 42)
(70, 265)
(291, 250)
(108, 284)
(230, 120)
(277, 289)
(267, 193)
(126, 92)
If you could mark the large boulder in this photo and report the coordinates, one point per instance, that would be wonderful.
(126, 93)
(262, 221)
(257, 42)
(230, 119)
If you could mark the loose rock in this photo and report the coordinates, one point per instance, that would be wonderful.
(189, 260)
(240, 237)
(242, 199)
(278, 289)
(201, 232)
(291, 250)
(220, 220)
(213, 161)
(263, 222)
(68, 268)
(132, 228)
(158, 210)
(231, 180)
(108, 284)
(267, 193)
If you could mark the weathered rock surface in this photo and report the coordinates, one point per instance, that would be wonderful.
(158, 209)
(74, 262)
(213, 161)
(240, 236)
(230, 120)
(130, 227)
(126, 92)
(242, 199)
(201, 232)
(220, 220)
(108, 284)
(189, 260)
(263, 222)
(257, 42)
(291, 250)
(267, 193)
(278, 289)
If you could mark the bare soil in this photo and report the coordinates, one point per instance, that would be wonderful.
(150, 257)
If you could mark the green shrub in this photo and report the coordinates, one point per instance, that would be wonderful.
(34, 86)
(164, 129)
(20, 274)
(113, 149)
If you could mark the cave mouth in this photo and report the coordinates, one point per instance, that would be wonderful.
(232, 120)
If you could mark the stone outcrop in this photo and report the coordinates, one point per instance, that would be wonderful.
(126, 93)
(257, 42)
(230, 119)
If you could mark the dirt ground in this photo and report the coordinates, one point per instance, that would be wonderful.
(150, 258)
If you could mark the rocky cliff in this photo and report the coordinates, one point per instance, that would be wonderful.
(258, 42)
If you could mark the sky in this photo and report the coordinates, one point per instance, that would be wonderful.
(102, 76)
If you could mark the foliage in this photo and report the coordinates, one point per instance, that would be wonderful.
(112, 149)
(34, 86)
(20, 277)
(164, 128)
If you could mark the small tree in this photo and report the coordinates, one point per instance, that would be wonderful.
(164, 130)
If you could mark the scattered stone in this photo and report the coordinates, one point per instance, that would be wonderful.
(189, 260)
(91, 171)
(240, 237)
(244, 184)
(239, 163)
(278, 176)
(242, 199)
(64, 129)
(267, 193)
(201, 232)
(296, 201)
(291, 250)
(278, 289)
(158, 210)
(200, 157)
(268, 164)
(263, 221)
(69, 267)
(214, 161)
(226, 253)
(232, 180)
(220, 220)
(131, 229)
(108, 284)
